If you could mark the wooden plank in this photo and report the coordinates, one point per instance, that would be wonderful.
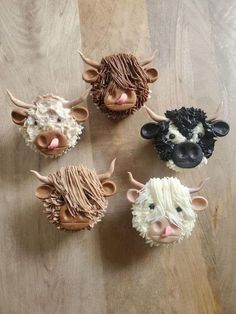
(111, 269)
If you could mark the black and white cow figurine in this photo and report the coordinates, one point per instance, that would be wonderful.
(185, 137)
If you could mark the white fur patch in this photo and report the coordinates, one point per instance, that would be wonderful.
(49, 115)
(166, 194)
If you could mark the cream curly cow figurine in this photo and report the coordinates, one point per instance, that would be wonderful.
(163, 210)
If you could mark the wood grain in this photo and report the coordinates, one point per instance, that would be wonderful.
(111, 270)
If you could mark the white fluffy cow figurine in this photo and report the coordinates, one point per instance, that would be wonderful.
(50, 125)
(163, 210)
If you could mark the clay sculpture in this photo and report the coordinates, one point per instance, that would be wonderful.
(74, 198)
(50, 125)
(119, 83)
(163, 211)
(184, 138)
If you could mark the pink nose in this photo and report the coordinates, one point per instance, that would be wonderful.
(167, 231)
(54, 143)
(122, 99)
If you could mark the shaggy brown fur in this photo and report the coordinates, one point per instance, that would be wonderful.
(120, 71)
(80, 190)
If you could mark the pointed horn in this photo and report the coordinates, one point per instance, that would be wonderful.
(88, 61)
(77, 101)
(148, 60)
(18, 102)
(40, 177)
(154, 116)
(137, 184)
(107, 174)
(202, 183)
(215, 115)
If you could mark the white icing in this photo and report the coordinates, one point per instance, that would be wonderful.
(45, 118)
(166, 194)
(179, 138)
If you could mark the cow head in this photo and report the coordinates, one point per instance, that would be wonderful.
(119, 83)
(163, 211)
(50, 125)
(185, 137)
(74, 198)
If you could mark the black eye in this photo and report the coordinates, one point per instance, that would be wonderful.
(35, 123)
(179, 209)
(200, 135)
(152, 206)
(58, 119)
(171, 136)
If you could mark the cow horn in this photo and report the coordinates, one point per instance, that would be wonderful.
(216, 114)
(77, 101)
(137, 184)
(155, 116)
(40, 177)
(148, 60)
(193, 190)
(88, 61)
(107, 174)
(18, 102)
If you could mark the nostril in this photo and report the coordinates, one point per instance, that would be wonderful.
(42, 141)
(156, 227)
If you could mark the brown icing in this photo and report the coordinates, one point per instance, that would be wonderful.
(43, 140)
(77, 197)
(120, 72)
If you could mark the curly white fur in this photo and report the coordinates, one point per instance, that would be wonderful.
(166, 194)
(49, 114)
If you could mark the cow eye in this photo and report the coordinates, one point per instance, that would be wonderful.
(35, 123)
(152, 206)
(171, 136)
(58, 119)
(179, 209)
(200, 135)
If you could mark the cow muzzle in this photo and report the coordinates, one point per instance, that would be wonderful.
(163, 231)
(51, 143)
(120, 100)
(187, 155)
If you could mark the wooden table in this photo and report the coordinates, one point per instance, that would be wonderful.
(111, 269)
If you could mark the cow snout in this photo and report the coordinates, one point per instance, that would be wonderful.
(51, 143)
(187, 155)
(162, 230)
(120, 100)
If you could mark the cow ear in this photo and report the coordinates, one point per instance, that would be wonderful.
(199, 203)
(44, 191)
(132, 195)
(149, 130)
(80, 114)
(19, 116)
(90, 76)
(109, 188)
(220, 128)
(152, 74)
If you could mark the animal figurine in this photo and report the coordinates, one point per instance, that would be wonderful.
(50, 125)
(119, 83)
(74, 198)
(163, 210)
(184, 138)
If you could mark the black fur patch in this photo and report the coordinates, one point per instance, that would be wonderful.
(185, 119)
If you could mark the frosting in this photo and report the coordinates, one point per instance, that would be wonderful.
(158, 199)
(49, 114)
(185, 138)
(80, 191)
